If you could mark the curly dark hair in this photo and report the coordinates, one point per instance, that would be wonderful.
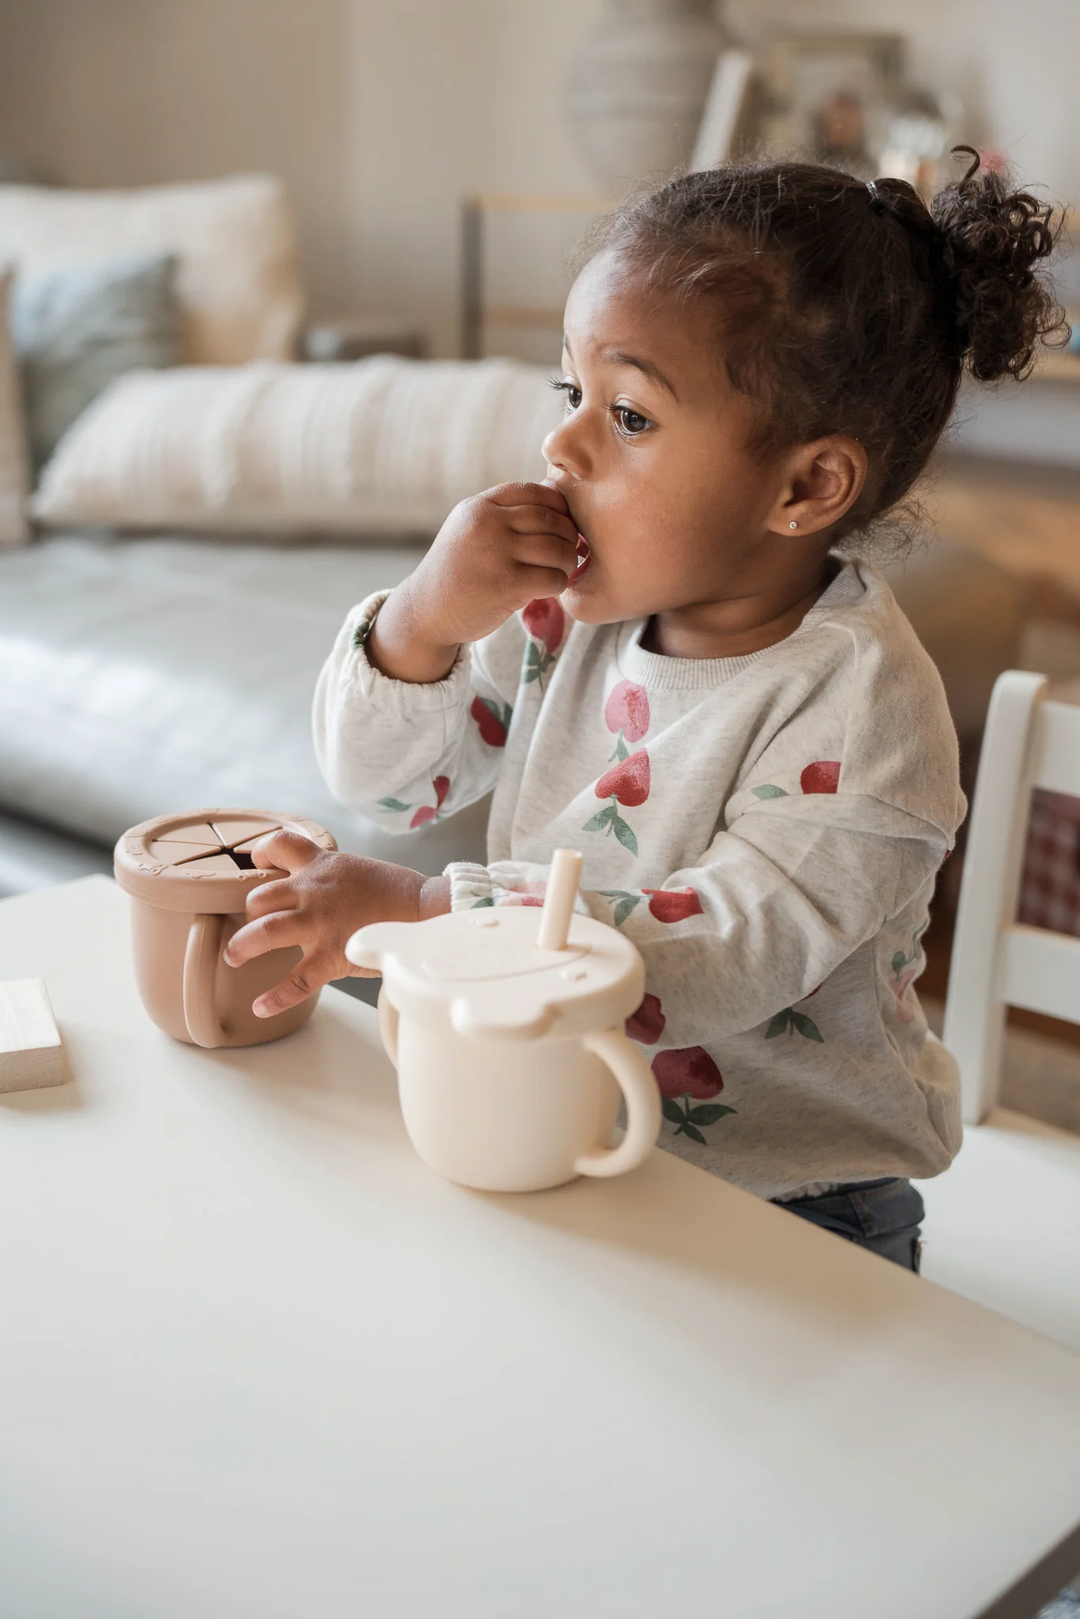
(848, 307)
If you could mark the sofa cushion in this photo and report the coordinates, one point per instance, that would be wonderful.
(14, 470)
(166, 674)
(382, 444)
(237, 279)
(78, 329)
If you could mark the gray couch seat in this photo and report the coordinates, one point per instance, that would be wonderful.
(141, 675)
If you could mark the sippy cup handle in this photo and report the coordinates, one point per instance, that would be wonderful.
(642, 1105)
(200, 968)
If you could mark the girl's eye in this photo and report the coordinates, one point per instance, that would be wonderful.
(570, 389)
(631, 422)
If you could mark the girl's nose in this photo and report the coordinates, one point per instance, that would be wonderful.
(565, 448)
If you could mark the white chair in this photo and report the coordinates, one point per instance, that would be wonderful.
(1003, 1223)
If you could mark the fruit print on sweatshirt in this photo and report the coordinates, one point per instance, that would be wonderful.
(626, 783)
(689, 1075)
(492, 719)
(545, 622)
(665, 904)
(627, 713)
(822, 776)
(425, 812)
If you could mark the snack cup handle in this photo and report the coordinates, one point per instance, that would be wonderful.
(388, 1025)
(642, 1105)
(200, 969)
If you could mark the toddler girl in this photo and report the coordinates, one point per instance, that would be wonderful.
(672, 656)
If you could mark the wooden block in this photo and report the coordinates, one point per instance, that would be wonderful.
(30, 1051)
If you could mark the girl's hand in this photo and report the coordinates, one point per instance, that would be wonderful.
(324, 899)
(495, 553)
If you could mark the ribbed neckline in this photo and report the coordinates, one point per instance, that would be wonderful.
(657, 672)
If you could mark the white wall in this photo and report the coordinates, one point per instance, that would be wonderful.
(381, 114)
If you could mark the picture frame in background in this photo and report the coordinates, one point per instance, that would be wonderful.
(730, 123)
(828, 96)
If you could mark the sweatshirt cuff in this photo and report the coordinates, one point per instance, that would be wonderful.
(471, 886)
(400, 695)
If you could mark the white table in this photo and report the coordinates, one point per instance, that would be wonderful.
(258, 1361)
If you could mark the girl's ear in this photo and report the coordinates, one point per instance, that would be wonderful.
(822, 481)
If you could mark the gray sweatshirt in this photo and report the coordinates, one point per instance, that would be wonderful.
(767, 829)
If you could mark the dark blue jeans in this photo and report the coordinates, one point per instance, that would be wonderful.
(883, 1216)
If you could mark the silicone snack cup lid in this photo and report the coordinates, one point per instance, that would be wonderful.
(501, 974)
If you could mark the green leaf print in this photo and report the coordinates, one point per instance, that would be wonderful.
(478, 904)
(537, 663)
(708, 1112)
(694, 1134)
(601, 821)
(673, 1113)
(769, 791)
(394, 804)
(623, 831)
(621, 750)
(807, 1027)
(623, 902)
(899, 962)
(791, 1022)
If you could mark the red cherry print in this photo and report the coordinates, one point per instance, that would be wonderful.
(545, 621)
(426, 813)
(689, 1072)
(646, 1025)
(492, 728)
(673, 904)
(823, 776)
(627, 781)
(627, 710)
(441, 785)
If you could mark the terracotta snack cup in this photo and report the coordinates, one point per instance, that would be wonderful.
(189, 876)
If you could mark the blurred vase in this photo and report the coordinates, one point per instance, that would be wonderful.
(637, 91)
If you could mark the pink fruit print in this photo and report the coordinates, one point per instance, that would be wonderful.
(673, 904)
(526, 894)
(905, 966)
(689, 1075)
(493, 720)
(425, 812)
(823, 776)
(627, 712)
(545, 621)
(646, 1025)
(626, 783)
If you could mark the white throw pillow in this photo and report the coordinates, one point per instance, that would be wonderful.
(237, 281)
(14, 459)
(386, 445)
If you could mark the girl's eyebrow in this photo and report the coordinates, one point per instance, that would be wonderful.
(646, 367)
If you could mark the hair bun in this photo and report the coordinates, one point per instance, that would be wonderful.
(993, 240)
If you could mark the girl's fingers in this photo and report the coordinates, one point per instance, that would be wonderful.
(545, 551)
(536, 582)
(542, 520)
(526, 494)
(272, 932)
(315, 970)
(287, 851)
(279, 896)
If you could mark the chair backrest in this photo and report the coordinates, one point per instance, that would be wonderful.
(996, 962)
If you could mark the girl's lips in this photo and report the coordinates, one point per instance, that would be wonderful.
(584, 554)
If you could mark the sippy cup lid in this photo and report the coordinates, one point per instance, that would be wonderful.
(503, 972)
(200, 860)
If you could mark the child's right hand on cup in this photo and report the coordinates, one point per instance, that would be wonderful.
(495, 553)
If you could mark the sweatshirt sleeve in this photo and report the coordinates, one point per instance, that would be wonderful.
(781, 897)
(403, 753)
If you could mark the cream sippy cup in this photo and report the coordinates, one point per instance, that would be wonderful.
(508, 1039)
